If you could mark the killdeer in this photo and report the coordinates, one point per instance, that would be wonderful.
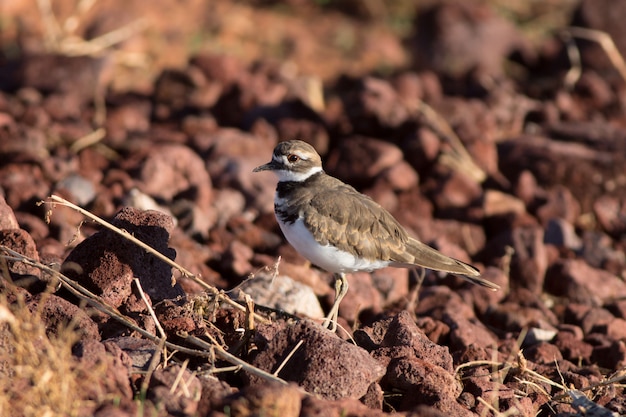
(341, 230)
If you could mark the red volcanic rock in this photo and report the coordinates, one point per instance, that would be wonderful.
(183, 134)
(21, 242)
(359, 160)
(579, 282)
(323, 364)
(7, 217)
(106, 263)
(266, 399)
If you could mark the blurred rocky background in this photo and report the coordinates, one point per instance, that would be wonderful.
(493, 130)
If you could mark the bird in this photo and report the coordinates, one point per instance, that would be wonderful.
(342, 230)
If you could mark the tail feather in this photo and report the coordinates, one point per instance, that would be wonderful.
(430, 258)
(482, 282)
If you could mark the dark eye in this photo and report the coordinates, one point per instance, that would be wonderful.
(293, 158)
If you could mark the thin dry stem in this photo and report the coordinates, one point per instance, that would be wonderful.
(96, 302)
(179, 377)
(224, 355)
(534, 385)
(457, 158)
(477, 363)
(38, 373)
(509, 251)
(152, 366)
(573, 53)
(606, 43)
(593, 386)
(510, 412)
(209, 288)
(88, 140)
(289, 356)
(149, 307)
(60, 38)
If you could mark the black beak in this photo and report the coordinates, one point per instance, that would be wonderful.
(270, 166)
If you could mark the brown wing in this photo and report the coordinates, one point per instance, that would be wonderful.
(345, 218)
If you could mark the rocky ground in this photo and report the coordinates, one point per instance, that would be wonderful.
(496, 135)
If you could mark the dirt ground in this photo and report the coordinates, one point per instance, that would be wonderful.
(493, 132)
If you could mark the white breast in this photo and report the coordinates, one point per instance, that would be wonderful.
(326, 257)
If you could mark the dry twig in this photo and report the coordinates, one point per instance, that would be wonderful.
(457, 157)
(54, 199)
(606, 43)
(100, 305)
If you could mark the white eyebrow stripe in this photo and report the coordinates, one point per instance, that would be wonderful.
(287, 175)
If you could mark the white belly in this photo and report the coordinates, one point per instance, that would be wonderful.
(326, 257)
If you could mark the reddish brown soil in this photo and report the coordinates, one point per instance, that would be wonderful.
(548, 223)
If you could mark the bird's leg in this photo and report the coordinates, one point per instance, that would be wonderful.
(341, 288)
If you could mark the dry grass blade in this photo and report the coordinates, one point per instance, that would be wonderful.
(39, 376)
(462, 366)
(53, 30)
(179, 378)
(579, 401)
(96, 46)
(590, 387)
(88, 140)
(528, 377)
(60, 38)
(152, 366)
